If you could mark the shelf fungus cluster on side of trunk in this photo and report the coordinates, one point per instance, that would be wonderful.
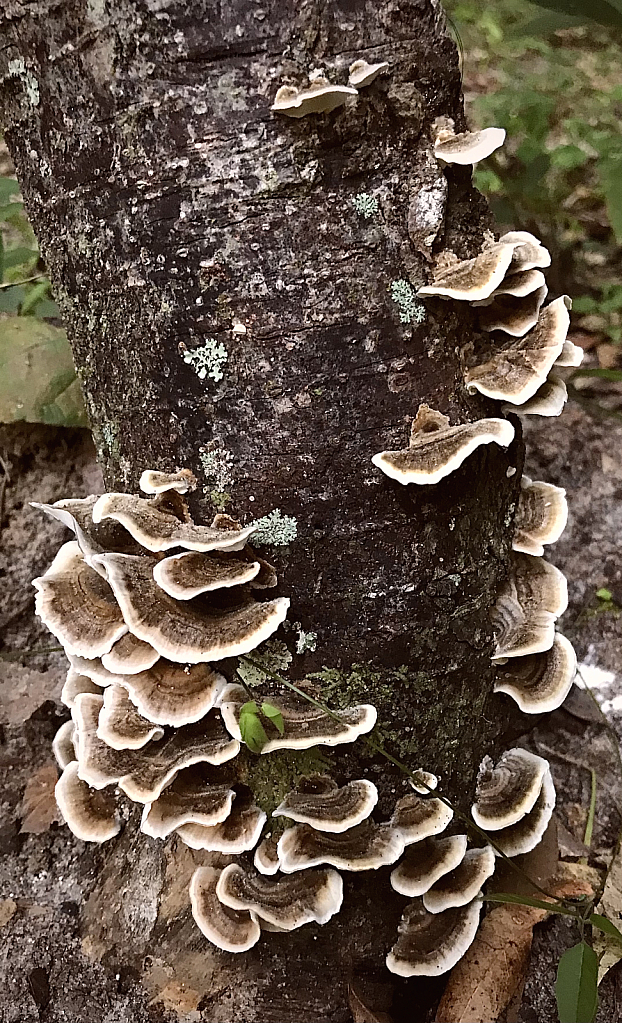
(146, 602)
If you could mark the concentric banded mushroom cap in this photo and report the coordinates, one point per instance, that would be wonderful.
(430, 944)
(189, 799)
(304, 724)
(462, 884)
(158, 529)
(289, 902)
(335, 810)
(92, 538)
(362, 74)
(469, 147)
(152, 481)
(527, 606)
(266, 858)
(226, 928)
(520, 284)
(129, 655)
(187, 632)
(365, 847)
(320, 97)
(239, 832)
(184, 576)
(513, 316)
(423, 781)
(508, 790)
(524, 836)
(473, 279)
(77, 605)
(514, 373)
(541, 516)
(77, 683)
(415, 818)
(539, 683)
(529, 252)
(120, 725)
(90, 815)
(549, 400)
(571, 355)
(436, 449)
(62, 745)
(144, 773)
(425, 862)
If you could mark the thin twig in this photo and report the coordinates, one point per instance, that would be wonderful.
(27, 280)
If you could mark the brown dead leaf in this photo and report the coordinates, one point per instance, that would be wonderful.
(362, 1013)
(608, 950)
(39, 809)
(487, 977)
(23, 691)
(7, 910)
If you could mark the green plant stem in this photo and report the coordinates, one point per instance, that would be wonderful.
(409, 774)
(27, 280)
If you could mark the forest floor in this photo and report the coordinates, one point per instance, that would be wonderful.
(53, 966)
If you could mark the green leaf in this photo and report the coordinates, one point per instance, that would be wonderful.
(526, 900)
(605, 925)
(10, 210)
(19, 256)
(605, 12)
(610, 173)
(38, 382)
(603, 594)
(8, 188)
(602, 374)
(34, 295)
(576, 988)
(251, 729)
(274, 715)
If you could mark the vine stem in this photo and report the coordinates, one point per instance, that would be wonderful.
(435, 793)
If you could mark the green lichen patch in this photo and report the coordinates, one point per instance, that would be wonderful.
(365, 205)
(305, 640)
(272, 654)
(275, 529)
(410, 309)
(208, 360)
(271, 776)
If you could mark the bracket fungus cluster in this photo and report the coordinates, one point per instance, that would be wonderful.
(320, 96)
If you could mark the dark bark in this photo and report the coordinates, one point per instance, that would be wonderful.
(170, 205)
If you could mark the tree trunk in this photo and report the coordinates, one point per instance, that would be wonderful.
(176, 213)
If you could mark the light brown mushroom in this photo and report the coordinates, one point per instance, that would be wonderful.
(89, 815)
(187, 632)
(436, 449)
(334, 809)
(473, 279)
(515, 372)
(549, 400)
(529, 252)
(362, 74)
(152, 481)
(430, 944)
(571, 355)
(527, 606)
(507, 791)
(319, 97)
(365, 847)
(462, 884)
(184, 576)
(239, 832)
(541, 516)
(468, 147)
(427, 861)
(226, 928)
(527, 833)
(304, 724)
(415, 818)
(77, 605)
(144, 773)
(77, 683)
(191, 798)
(287, 903)
(159, 529)
(62, 745)
(539, 683)
(120, 725)
(266, 858)
(513, 316)
(129, 655)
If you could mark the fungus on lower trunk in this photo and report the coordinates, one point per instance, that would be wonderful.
(430, 944)
(228, 929)
(286, 903)
(507, 791)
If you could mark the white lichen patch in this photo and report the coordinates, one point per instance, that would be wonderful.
(208, 360)
(365, 205)
(217, 464)
(275, 529)
(306, 640)
(273, 655)
(18, 69)
(410, 309)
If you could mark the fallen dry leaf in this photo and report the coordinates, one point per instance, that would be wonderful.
(39, 809)
(487, 977)
(7, 910)
(362, 1013)
(23, 691)
(608, 950)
